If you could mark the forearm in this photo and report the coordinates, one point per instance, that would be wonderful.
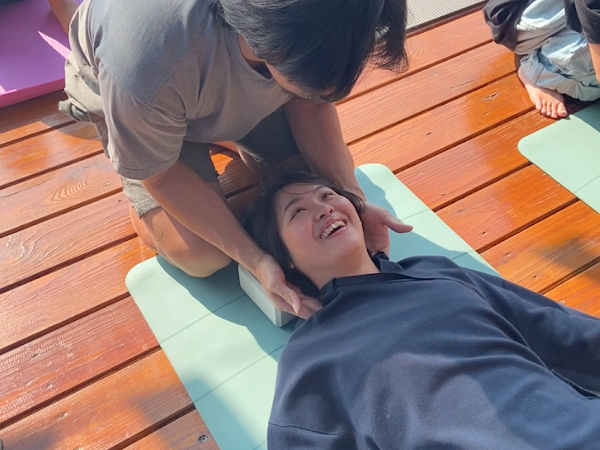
(191, 201)
(318, 134)
(595, 52)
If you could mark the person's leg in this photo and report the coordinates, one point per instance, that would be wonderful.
(175, 243)
(562, 66)
(63, 10)
(164, 234)
(540, 20)
(548, 102)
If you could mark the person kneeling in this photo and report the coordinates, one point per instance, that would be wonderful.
(419, 353)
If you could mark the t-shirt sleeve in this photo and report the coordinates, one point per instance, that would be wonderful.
(145, 138)
(562, 337)
(297, 438)
(588, 12)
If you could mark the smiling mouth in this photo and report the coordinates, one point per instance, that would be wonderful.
(335, 226)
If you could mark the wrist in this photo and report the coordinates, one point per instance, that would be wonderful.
(251, 258)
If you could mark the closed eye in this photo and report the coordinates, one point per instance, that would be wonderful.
(297, 211)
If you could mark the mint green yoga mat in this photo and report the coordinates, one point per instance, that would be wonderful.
(221, 345)
(569, 151)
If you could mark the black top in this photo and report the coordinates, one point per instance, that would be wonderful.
(428, 355)
(502, 16)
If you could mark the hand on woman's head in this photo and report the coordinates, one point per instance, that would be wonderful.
(285, 297)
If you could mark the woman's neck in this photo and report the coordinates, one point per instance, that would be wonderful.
(347, 268)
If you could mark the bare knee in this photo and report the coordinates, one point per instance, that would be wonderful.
(198, 265)
(178, 245)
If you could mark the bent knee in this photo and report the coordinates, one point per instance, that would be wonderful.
(197, 264)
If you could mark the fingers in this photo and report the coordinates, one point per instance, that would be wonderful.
(308, 306)
(396, 224)
(292, 299)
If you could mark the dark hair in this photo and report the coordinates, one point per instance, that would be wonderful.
(321, 46)
(260, 222)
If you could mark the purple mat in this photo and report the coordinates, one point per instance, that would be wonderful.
(33, 49)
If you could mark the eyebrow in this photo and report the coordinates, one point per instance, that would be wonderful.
(297, 198)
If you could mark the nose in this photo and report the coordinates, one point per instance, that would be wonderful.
(324, 211)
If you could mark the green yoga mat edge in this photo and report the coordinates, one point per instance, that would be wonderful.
(569, 152)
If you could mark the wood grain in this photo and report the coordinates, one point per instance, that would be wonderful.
(43, 153)
(479, 161)
(424, 90)
(505, 208)
(539, 259)
(581, 291)
(186, 433)
(434, 131)
(67, 294)
(61, 240)
(27, 203)
(431, 47)
(112, 412)
(31, 117)
(48, 367)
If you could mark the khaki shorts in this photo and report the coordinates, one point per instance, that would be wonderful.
(269, 143)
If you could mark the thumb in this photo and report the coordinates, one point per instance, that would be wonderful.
(396, 224)
(290, 297)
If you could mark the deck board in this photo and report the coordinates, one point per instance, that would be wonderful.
(79, 367)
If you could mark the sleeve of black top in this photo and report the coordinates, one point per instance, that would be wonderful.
(562, 337)
(588, 12)
(296, 438)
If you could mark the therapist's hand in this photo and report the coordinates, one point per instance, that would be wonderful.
(288, 299)
(377, 221)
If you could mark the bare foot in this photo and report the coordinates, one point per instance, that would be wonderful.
(548, 103)
(64, 11)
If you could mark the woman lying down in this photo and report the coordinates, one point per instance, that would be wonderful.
(420, 353)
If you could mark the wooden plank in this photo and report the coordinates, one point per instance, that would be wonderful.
(65, 295)
(424, 90)
(48, 367)
(505, 208)
(186, 433)
(480, 162)
(239, 202)
(431, 47)
(46, 152)
(31, 117)
(59, 191)
(539, 259)
(236, 177)
(61, 240)
(581, 291)
(448, 125)
(113, 412)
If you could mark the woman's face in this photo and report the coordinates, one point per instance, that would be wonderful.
(321, 230)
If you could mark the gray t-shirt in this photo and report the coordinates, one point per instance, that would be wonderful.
(160, 71)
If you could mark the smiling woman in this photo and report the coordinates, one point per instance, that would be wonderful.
(421, 353)
(291, 218)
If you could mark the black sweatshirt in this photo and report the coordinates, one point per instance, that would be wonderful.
(502, 16)
(428, 355)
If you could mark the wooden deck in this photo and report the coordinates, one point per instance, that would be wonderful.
(79, 367)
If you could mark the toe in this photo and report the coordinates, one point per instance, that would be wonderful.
(562, 110)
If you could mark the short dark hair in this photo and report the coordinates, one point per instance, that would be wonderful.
(321, 46)
(260, 222)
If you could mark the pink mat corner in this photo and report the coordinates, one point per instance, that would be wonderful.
(33, 49)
